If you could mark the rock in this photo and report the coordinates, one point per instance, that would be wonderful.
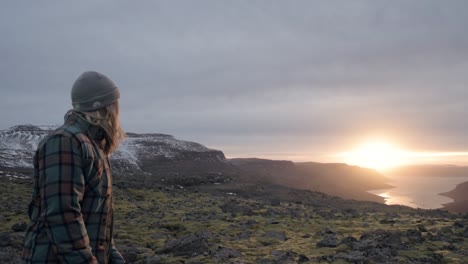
(303, 258)
(324, 232)
(265, 261)
(275, 202)
(414, 236)
(379, 245)
(352, 213)
(387, 222)
(352, 256)
(328, 241)
(149, 260)
(284, 256)
(173, 227)
(3, 218)
(13, 240)
(130, 253)
(394, 240)
(19, 227)
(326, 259)
(4, 240)
(450, 247)
(276, 234)
(9, 255)
(442, 234)
(244, 235)
(382, 237)
(235, 208)
(432, 258)
(421, 228)
(458, 224)
(226, 253)
(191, 245)
(159, 236)
(273, 222)
(349, 241)
(248, 224)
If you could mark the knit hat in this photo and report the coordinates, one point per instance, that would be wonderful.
(92, 91)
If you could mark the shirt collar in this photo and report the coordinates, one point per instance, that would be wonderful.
(77, 118)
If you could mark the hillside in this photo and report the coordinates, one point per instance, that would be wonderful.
(460, 197)
(251, 223)
(349, 182)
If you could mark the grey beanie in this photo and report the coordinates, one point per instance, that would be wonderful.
(92, 91)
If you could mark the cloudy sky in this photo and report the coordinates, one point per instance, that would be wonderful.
(298, 80)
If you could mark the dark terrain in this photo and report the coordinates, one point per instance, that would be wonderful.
(245, 222)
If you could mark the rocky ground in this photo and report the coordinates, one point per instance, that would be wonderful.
(249, 223)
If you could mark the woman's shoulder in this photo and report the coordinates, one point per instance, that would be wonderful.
(69, 134)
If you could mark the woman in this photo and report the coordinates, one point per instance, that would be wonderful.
(71, 211)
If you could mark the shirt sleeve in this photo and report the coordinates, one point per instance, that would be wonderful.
(62, 187)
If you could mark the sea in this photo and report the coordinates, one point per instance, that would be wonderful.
(419, 191)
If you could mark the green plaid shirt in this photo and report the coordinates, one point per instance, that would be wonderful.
(71, 210)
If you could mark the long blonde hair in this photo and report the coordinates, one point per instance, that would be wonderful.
(108, 119)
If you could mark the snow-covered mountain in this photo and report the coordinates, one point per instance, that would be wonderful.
(139, 152)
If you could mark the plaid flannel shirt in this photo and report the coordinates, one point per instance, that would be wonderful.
(71, 210)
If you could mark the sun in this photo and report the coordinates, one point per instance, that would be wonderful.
(379, 155)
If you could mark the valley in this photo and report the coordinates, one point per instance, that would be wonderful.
(180, 202)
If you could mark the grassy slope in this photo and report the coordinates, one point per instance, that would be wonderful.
(146, 218)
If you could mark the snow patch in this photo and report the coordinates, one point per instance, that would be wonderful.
(18, 144)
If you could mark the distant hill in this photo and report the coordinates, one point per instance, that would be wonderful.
(430, 171)
(349, 182)
(459, 194)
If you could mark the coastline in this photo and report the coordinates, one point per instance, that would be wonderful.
(460, 199)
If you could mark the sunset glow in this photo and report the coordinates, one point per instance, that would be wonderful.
(376, 155)
(381, 155)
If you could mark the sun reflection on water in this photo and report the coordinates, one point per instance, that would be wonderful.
(419, 192)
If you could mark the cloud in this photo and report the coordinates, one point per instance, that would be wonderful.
(258, 69)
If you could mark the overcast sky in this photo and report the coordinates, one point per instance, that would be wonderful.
(279, 79)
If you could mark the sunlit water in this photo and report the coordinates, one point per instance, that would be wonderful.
(419, 191)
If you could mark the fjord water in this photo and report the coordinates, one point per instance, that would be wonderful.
(419, 191)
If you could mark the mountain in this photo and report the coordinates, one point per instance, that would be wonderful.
(18, 143)
(154, 157)
(349, 182)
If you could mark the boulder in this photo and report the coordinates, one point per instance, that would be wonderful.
(414, 236)
(328, 241)
(188, 246)
(19, 227)
(276, 234)
(284, 256)
(226, 253)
